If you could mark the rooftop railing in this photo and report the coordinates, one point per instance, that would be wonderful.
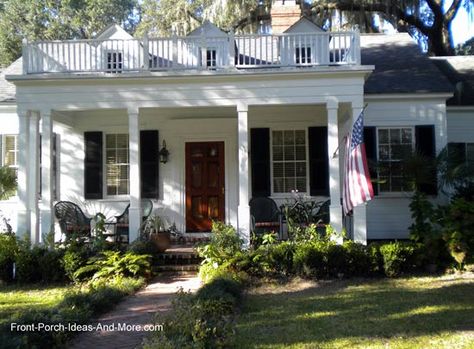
(192, 52)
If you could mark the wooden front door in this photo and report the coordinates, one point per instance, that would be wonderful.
(204, 185)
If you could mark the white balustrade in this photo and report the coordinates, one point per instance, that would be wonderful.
(196, 52)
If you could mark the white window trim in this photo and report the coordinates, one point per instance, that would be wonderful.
(105, 195)
(282, 128)
(112, 70)
(403, 193)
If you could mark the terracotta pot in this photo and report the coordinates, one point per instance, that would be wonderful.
(162, 240)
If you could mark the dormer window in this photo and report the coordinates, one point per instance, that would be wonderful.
(303, 55)
(211, 58)
(114, 61)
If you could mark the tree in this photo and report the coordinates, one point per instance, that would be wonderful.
(56, 20)
(181, 16)
(430, 18)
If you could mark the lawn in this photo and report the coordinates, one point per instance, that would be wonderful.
(417, 312)
(15, 298)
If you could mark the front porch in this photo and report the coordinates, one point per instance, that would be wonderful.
(314, 106)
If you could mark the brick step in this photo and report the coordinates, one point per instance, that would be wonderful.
(176, 268)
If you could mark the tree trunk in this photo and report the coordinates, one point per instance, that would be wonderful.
(440, 40)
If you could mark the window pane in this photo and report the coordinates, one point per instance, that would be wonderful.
(384, 152)
(383, 136)
(301, 169)
(406, 135)
(395, 136)
(122, 141)
(290, 169)
(277, 153)
(110, 141)
(301, 152)
(289, 137)
(277, 137)
(289, 185)
(122, 156)
(300, 138)
(301, 184)
(470, 152)
(289, 152)
(278, 170)
(278, 185)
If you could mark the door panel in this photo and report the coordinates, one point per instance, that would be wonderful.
(205, 195)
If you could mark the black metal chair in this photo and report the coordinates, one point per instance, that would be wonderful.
(72, 220)
(265, 216)
(121, 225)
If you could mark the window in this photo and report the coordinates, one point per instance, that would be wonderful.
(10, 151)
(394, 145)
(303, 55)
(117, 164)
(210, 57)
(289, 161)
(461, 153)
(114, 62)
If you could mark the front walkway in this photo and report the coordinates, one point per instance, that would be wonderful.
(138, 309)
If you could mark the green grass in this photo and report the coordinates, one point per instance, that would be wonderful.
(418, 312)
(23, 298)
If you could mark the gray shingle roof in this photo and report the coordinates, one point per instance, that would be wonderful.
(7, 89)
(400, 66)
(460, 71)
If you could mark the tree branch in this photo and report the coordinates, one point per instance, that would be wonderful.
(377, 7)
(453, 10)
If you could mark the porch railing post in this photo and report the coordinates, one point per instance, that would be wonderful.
(335, 209)
(23, 212)
(243, 223)
(134, 158)
(46, 172)
(33, 176)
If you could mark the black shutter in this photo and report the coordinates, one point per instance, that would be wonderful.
(425, 146)
(93, 165)
(149, 164)
(370, 141)
(260, 158)
(318, 161)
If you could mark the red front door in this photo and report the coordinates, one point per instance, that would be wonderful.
(204, 185)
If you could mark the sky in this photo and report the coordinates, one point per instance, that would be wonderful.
(462, 27)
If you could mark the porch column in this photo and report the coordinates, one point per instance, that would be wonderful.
(335, 209)
(359, 212)
(33, 177)
(46, 173)
(134, 212)
(243, 222)
(23, 212)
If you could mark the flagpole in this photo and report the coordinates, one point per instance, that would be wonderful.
(344, 139)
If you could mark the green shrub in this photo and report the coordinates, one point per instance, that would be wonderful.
(375, 258)
(8, 250)
(358, 262)
(310, 259)
(143, 247)
(398, 257)
(224, 244)
(73, 260)
(114, 264)
(203, 320)
(27, 262)
(336, 260)
(50, 266)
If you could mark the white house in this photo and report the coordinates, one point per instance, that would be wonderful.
(241, 116)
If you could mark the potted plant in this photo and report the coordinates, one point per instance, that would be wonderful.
(154, 228)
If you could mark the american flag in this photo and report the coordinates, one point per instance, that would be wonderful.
(357, 187)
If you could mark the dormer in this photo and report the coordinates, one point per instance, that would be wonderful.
(304, 48)
(114, 41)
(212, 45)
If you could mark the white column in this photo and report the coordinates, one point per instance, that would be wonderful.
(47, 175)
(33, 177)
(23, 169)
(134, 212)
(243, 223)
(335, 209)
(359, 212)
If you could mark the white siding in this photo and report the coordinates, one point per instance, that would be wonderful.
(388, 215)
(460, 125)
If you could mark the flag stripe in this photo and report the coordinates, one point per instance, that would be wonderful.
(357, 187)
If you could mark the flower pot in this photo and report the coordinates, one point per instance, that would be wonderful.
(162, 241)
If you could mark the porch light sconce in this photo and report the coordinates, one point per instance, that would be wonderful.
(164, 153)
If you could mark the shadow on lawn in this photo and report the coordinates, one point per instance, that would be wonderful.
(356, 309)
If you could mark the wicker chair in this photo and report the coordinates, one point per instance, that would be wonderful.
(72, 220)
(265, 215)
(121, 228)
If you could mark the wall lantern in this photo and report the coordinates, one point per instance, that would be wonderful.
(164, 153)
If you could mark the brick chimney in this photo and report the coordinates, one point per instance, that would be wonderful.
(284, 14)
